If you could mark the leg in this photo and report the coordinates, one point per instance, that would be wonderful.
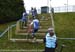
(33, 17)
(52, 49)
(22, 24)
(46, 49)
(49, 49)
(33, 33)
(25, 22)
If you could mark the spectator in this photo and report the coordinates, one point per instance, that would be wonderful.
(50, 41)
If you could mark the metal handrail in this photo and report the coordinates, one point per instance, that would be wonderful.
(7, 30)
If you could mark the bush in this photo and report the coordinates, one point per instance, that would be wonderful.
(10, 10)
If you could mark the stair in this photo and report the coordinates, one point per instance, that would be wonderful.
(44, 25)
(27, 40)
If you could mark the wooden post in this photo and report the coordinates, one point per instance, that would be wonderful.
(52, 20)
(8, 33)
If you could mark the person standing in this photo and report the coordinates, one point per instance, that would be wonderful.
(32, 12)
(52, 11)
(35, 11)
(50, 41)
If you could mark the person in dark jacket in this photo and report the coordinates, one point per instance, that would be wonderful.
(34, 12)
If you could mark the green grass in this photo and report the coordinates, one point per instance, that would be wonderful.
(7, 44)
(64, 27)
(65, 24)
(4, 26)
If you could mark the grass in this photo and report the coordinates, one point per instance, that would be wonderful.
(4, 26)
(64, 27)
(6, 44)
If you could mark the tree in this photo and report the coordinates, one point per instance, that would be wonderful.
(10, 10)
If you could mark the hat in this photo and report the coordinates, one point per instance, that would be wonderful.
(50, 29)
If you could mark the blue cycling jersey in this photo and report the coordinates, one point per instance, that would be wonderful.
(35, 23)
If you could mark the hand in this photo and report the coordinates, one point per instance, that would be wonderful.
(30, 30)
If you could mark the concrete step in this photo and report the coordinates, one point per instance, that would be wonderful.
(28, 36)
(27, 40)
(41, 21)
(25, 31)
(39, 34)
(44, 19)
(45, 24)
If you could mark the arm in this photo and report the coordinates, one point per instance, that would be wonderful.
(56, 44)
(30, 27)
(44, 40)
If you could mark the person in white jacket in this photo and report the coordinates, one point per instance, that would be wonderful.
(50, 41)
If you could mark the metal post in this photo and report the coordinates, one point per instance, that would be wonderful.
(50, 3)
(47, 2)
(62, 46)
(67, 5)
